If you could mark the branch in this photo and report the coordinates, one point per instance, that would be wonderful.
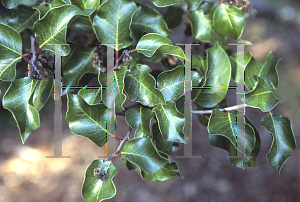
(99, 172)
(225, 109)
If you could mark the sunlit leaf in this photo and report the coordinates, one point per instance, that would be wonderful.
(95, 190)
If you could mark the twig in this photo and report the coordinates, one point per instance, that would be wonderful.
(225, 109)
(100, 172)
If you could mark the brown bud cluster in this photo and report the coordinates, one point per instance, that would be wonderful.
(243, 5)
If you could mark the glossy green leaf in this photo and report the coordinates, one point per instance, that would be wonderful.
(52, 28)
(192, 4)
(173, 16)
(91, 96)
(42, 9)
(130, 166)
(141, 152)
(170, 121)
(149, 20)
(224, 124)
(119, 97)
(10, 4)
(234, 63)
(224, 143)
(140, 86)
(262, 97)
(94, 190)
(171, 82)
(223, 104)
(10, 51)
(199, 62)
(86, 4)
(42, 92)
(16, 101)
(150, 43)
(173, 149)
(112, 22)
(139, 118)
(265, 69)
(202, 25)
(84, 23)
(78, 63)
(86, 120)
(160, 143)
(229, 21)
(22, 17)
(283, 143)
(217, 77)
(168, 171)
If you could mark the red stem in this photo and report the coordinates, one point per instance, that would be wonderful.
(38, 51)
(119, 154)
(270, 112)
(117, 138)
(205, 116)
(221, 1)
(132, 51)
(23, 56)
(117, 54)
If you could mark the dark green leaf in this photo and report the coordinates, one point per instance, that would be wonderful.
(22, 17)
(94, 190)
(149, 20)
(170, 121)
(171, 82)
(141, 152)
(88, 121)
(119, 97)
(150, 43)
(192, 4)
(283, 143)
(42, 92)
(112, 22)
(233, 60)
(10, 51)
(168, 171)
(139, 118)
(140, 86)
(217, 77)
(224, 124)
(262, 97)
(130, 166)
(229, 21)
(85, 4)
(223, 104)
(78, 63)
(84, 23)
(92, 96)
(160, 143)
(52, 28)
(13, 3)
(42, 9)
(202, 26)
(16, 101)
(224, 143)
(173, 16)
(265, 69)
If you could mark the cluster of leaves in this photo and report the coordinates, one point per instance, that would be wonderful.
(126, 24)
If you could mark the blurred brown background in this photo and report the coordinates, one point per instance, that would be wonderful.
(27, 176)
